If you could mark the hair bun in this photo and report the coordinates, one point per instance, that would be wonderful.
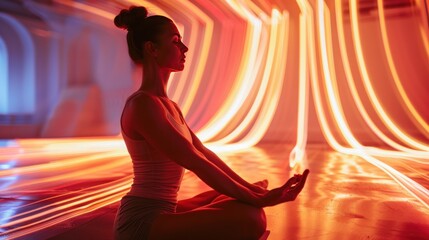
(127, 19)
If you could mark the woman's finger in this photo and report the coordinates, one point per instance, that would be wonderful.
(263, 183)
(300, 185)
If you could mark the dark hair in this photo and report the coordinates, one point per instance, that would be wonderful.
(141, 28)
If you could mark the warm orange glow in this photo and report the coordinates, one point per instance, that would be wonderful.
(246, 78)
(380, 109)
(267, 96)
(298, 152)
(409, 106)
(87, 8)
(255, 41)
(411, 186)
(64, 161)
(201, 35)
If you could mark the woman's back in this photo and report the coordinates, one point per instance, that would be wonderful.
(155, 175)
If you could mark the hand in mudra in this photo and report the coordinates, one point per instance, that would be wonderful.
(260, 186)
(288, 192)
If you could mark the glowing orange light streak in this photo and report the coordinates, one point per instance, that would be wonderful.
(424, 36)
(412, 187)
(203, 36)
(117, 187)
(421, 123)
(63, 213)
(350, 80)
(329, 77)
(424, 31)
(316, 90)
(87, 8)
(298, 152)
(405, 152)
(273, 92)
(415, 189)
(71, 204)
(246, 77)
(72, 172)
(274, 43)
(368, 86)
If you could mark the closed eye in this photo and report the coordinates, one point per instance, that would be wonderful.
(177, 38)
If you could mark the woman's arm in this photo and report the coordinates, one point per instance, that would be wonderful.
(288, 192)
(212, 157)
(148, 118)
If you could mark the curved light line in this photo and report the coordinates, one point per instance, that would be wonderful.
(206, 40)
(415, 189)
(274, 90)
(355, 95)
(415, 116)
(27, 87)
(4, 79)
(262, 91)
(298, 151)
(368, 86)
(245, 81)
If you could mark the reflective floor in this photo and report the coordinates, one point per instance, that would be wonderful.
(69, 189)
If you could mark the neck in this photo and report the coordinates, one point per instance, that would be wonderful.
(155, 79)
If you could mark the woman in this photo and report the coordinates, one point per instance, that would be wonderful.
(161, 145)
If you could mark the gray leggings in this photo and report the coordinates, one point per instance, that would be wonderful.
(135, 216)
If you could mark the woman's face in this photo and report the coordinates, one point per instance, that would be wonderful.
(170, 49)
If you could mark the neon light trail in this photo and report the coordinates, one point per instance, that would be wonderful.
(293, 75)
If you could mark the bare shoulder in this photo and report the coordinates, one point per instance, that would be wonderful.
(141, 107)
(142, 113)
(143, 104)
(142, 99)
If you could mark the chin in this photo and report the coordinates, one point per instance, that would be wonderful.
(178, 69)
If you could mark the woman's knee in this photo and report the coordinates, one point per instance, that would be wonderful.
(248, 221)
(251, 223)
(257, 223)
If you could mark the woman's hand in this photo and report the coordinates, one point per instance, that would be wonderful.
(259, 187)
(288, 192)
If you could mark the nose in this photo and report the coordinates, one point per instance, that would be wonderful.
(184, 48)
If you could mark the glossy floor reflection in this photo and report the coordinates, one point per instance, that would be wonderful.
(69, 190)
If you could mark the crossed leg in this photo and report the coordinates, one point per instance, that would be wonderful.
(210, 215)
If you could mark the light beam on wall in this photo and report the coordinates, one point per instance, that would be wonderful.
(4, 85)
(19, 60)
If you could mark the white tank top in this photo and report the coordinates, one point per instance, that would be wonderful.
(155, 176)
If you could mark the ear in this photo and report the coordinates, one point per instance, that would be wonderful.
(150, 48)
